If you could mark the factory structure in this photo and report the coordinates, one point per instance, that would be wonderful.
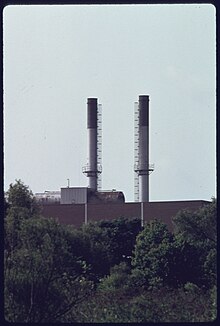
(78, 205)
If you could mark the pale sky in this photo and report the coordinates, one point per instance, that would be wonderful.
(55, 57)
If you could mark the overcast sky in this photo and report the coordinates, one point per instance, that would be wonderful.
(55, 57)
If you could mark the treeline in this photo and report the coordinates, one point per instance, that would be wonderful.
(108, 271)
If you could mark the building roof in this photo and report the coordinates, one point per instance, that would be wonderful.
(106, 197)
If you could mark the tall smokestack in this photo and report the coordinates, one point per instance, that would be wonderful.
(91, 169)
(143, 147)
(143, 168)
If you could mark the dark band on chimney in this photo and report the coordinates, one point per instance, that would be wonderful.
(92, 113)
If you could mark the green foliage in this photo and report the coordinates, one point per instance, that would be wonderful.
(104, 307)
(122, 233)
(151, 255)
(156, 305)
(161, 258)
(13, 225)
(20, 205)
(111, 242)
(196, 240)
(19, 195)
(96, 253)
(118, 278)
(199, 225)
(213, 299)
(185, 263)
(44, 278)
(210, 267)
(172, 305)
(41, 277)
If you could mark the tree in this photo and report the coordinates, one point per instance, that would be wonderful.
(20, 205)
(186, 264)
(188, 255)
(199, 225)
(43, 277)
(196, 240)
(110, 243)
(151, 255)
(20, 196)
(122, 233)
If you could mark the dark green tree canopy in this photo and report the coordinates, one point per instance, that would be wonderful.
(199, 225)
(20, 196)
(44, 276)
(151, 255)
(111, 241)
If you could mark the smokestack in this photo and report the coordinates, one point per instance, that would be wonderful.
(144, 147)
(91, 169)
(143, 168)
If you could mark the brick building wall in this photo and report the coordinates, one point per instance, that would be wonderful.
(74, 214)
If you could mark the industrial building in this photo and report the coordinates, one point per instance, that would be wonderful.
(78, 214)
(78, 205)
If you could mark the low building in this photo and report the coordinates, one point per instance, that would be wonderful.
(83, 195)
(78, 214)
